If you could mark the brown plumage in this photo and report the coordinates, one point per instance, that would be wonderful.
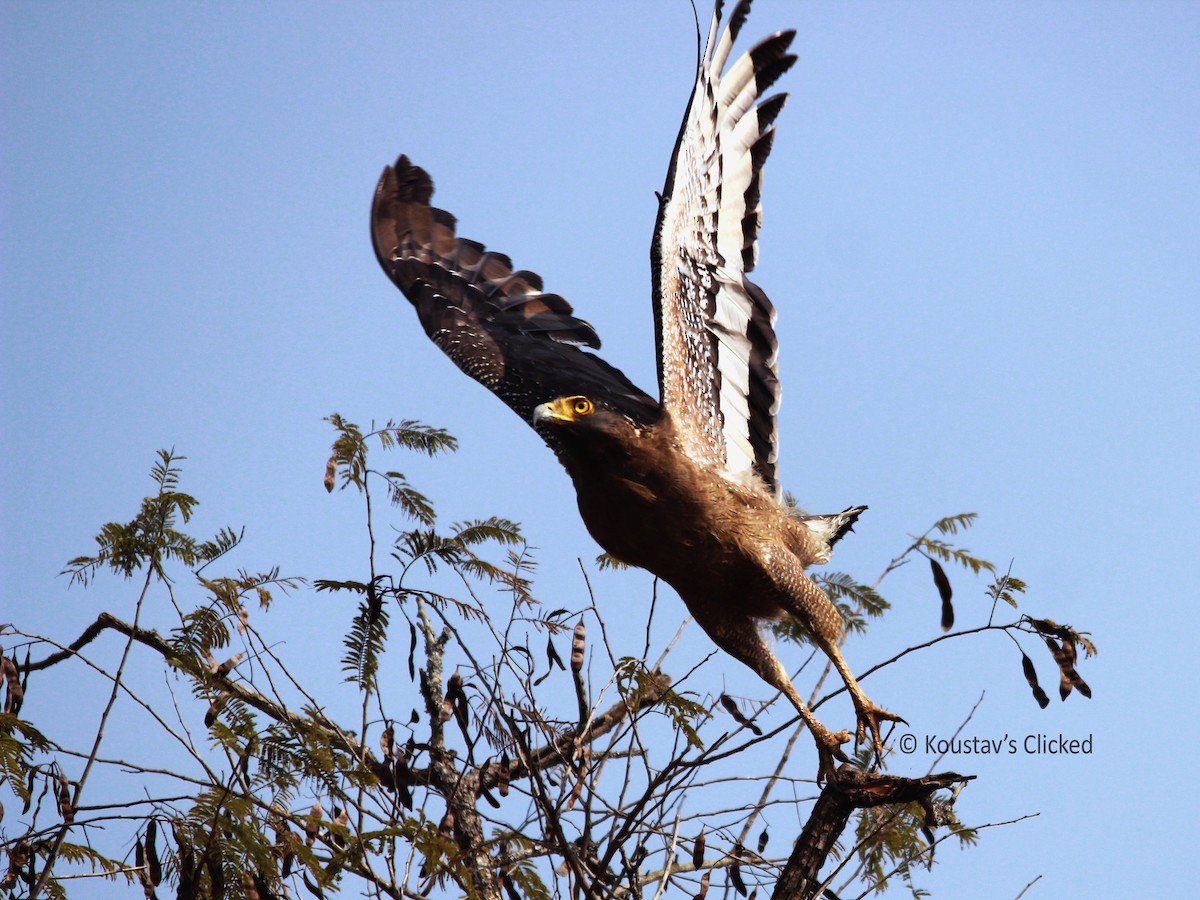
(685, 488)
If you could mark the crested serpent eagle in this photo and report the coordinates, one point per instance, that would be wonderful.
(684, 486)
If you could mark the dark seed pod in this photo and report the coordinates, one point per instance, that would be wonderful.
(731, 707)
(505, 774)
(578, 645)
(1031, 676)
(945, 592)
(153, 864)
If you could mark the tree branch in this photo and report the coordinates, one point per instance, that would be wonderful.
(852, 789)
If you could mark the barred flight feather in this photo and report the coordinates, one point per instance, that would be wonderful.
(717, 350)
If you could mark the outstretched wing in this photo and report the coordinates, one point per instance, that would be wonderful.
(715, 328)
(496, 324)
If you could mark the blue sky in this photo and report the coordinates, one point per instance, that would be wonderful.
(981, 234)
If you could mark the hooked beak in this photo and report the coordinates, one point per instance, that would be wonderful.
(545, 412)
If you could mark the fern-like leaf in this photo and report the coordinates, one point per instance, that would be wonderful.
(951, 554)
(366, 641)
(604, 561)
(955, 524)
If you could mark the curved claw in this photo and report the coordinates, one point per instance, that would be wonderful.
(869, 717)
(829, 748)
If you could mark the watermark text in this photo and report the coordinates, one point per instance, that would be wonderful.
(1001, 745)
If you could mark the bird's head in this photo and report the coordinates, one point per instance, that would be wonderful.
(582, 417)
(565, 411)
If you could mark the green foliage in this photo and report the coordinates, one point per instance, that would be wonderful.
(947, 552)
(231, 592)
(302, 755)
(520, 875)
(1005, 588)
(954, 524)
(20, 741)
(440, 852)
(634, 679)
(349, 459)
(856, 601)
(456, 548)
(525, 879)
(895, 840)
(284, 794)
(605, 562)
(889, 838)
(366, 640)
(81, 854)
(221, 844)
(235, 729)
(152, 537)
(204, 630)
(220, 544)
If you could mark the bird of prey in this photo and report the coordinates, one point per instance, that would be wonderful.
(684, 486)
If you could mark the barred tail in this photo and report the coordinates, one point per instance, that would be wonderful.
(832, 527)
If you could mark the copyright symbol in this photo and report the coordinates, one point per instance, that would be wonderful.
(908, 743)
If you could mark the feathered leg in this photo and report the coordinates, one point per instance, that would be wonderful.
(741, 639)
(869, 715)
(808, 603)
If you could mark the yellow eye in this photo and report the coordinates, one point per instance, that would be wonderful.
(582, 406)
